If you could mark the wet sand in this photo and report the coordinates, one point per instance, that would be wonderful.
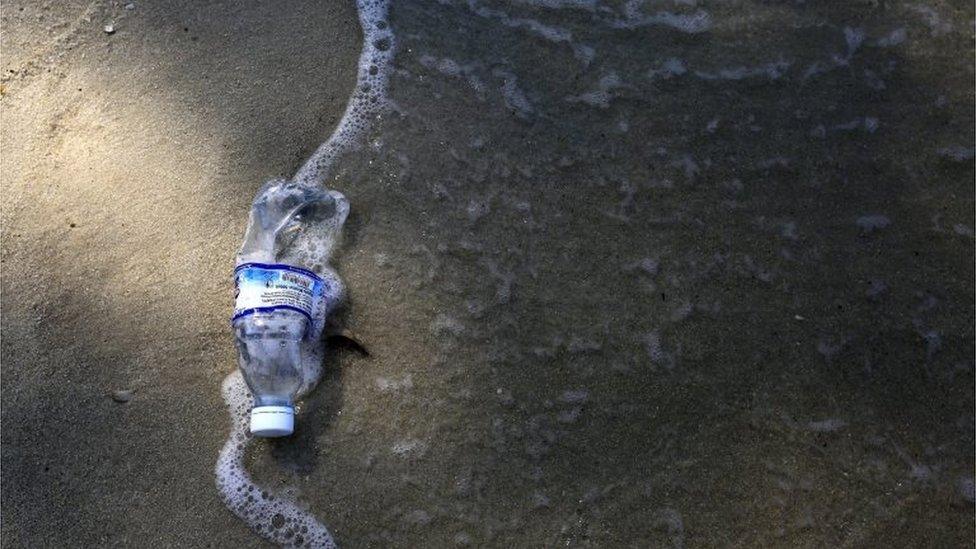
(624, 282)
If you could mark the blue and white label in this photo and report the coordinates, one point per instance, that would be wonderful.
(261, 287)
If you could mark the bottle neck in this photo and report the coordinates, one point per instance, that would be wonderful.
(273, 400)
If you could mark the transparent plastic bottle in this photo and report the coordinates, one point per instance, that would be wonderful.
(284, 290)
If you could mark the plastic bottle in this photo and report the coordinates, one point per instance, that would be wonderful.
(284, 290)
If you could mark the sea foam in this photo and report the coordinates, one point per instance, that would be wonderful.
(369, 97)
(281, 520)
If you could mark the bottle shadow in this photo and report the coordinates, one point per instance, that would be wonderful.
(298, 453)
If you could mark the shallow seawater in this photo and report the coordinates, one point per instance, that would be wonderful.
(655, 274)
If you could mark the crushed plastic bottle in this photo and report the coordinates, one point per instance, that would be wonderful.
(285, 288)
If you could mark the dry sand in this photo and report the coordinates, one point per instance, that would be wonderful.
(129, 162)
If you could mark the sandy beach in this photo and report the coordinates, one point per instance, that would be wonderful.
(129, 163)
(643, 274)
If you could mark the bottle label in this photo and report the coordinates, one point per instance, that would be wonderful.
(261, 287)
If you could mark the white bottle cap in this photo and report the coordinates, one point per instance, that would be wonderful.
(272, 421)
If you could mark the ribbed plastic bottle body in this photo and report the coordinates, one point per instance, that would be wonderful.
(285, 289)
(269, 355)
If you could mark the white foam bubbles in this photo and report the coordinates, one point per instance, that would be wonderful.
(670, 68)
(514, 97)
(279, 519)
(873, 222)
(773, 71)
(369, 97)
(893, 38)
(937, 24)
(452, 68)
(957, 153)
(603, 94)
(583, 52)
(634, 17)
